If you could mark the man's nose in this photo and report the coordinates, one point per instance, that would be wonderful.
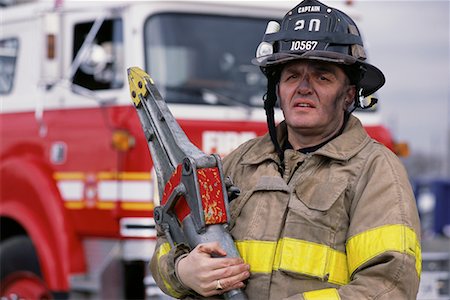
(304, 85)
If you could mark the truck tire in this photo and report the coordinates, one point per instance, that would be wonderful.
(20, 274)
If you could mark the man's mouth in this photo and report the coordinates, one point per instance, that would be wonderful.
(303, 105)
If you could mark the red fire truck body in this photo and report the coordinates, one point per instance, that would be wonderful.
(77, 191)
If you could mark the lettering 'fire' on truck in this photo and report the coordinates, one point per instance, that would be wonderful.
(77, 191)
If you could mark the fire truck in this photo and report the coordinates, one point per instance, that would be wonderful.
(77, 187)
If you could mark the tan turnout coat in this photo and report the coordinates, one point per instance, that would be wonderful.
(340, 223)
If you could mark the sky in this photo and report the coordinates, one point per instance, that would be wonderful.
(410, 42)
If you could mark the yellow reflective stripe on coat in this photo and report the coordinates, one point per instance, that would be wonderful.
(313, 259)
(163, 250)
(325, 294)
(295, 256)
(258, 254)
(368, 244)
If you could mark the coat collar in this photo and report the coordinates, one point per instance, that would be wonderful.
(343, 147)
(349, 143)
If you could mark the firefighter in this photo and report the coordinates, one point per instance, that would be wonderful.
(324, 212)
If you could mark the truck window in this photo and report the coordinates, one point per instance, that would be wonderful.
(102, 67)
(205, 59)
(8, 54)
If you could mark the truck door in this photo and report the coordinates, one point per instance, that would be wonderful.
(83, 126)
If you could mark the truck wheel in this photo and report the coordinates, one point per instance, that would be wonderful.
(20, 275)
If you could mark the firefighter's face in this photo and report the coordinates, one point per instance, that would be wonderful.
(314, 96)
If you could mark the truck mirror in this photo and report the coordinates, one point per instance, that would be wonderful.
(96, 59)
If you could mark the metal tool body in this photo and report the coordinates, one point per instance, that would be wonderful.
(194, 201)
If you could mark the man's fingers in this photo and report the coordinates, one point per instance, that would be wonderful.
(211, 248)
(225, 263)
(239, 273)
(226, 286)
(238, 285)
(226, 269)
(232, 281)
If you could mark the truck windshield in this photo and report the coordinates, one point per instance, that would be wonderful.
(205, 59)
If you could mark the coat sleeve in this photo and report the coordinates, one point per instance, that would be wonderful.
(163, 266)
(383, 242)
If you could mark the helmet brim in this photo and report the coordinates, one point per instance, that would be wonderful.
(372, 80)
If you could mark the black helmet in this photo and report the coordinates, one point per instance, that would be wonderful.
(315, 31)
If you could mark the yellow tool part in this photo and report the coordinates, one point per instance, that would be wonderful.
(137, 79)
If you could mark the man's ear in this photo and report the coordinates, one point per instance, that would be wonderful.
(351, 93)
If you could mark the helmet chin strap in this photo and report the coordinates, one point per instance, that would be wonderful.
(269, 104)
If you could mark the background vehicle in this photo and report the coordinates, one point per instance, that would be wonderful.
(77, 194)
(433, 202)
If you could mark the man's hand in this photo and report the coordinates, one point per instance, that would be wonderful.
(200, 272)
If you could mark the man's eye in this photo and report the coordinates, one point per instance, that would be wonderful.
(288, 77)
